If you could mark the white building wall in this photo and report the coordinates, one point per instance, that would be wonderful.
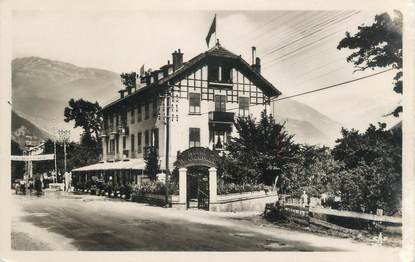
(179, 129)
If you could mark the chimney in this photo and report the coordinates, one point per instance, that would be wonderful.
(258, 65)
(121, 93)
(256, 61)
(253, 55)
(177, 59)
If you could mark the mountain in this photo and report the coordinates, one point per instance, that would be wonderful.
(41, 88)
(306, 123)
(24, 131)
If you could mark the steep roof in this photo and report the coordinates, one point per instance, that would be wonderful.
(215, 52)
(219, 51)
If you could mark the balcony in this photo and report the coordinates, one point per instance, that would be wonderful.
(227, 85)
(123, 130)
(111, 130)
(104, 133)
(221, 117)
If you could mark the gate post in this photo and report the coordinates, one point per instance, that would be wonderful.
(213, 185)
(182, 185)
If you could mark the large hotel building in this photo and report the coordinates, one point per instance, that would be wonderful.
(207, 93)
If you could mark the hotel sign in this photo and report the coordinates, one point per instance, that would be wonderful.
(197, 156)
(33, 158)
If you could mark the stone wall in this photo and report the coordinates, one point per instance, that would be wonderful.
(249, 201)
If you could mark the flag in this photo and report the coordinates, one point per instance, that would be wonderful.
(211, 31)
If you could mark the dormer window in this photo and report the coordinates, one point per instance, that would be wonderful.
(220, 74)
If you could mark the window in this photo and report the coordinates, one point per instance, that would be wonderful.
(194, 137)
(111, 122)
(220, 73)
(139, 143)
(132, 115)
(220, 103)
(146, 138)
(139, 114)
(112, 145)
(155, 138)
(213, 73)
(146, 110)
(194, 103)
(155, 111)
(124, 142)
(132, 143)
(243, 106)
(226, 74)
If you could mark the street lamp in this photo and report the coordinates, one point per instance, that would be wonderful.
(64, 137)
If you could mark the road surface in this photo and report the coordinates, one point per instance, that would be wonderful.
(64, 221)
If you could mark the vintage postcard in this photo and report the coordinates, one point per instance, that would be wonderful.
(255, 132)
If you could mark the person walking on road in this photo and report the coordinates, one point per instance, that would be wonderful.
(38, 186)
(68, 180)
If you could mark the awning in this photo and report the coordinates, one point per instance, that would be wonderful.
(136, 164)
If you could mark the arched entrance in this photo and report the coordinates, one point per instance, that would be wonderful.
(197, 177)
(197, 187)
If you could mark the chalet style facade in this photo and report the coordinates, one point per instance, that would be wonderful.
(207, 93)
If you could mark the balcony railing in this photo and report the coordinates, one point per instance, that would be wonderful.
(123, 130)
(113, 130)
(221, 117)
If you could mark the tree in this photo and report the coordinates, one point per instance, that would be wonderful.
(87, 115)
(371, 176)
(377, 46)
(152, 163)
(17, 167)
(262, 151)
(311, 172)
(129, 80)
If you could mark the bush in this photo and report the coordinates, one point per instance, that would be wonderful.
(229, 188)
(155, 187)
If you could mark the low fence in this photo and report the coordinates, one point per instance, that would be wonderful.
(341, 220)
(154, 199)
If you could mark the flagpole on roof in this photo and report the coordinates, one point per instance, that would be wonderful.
(216, 30)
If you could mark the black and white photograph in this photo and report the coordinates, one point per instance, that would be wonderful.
(221, 129)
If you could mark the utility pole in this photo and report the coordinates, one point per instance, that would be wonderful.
(167, 116)
(168, 102)
(64, 156)
(64, 137)
(56, 165)
(26, 152)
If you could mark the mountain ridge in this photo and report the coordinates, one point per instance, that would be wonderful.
(56, 82)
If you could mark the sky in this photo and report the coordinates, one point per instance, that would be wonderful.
(297, 49)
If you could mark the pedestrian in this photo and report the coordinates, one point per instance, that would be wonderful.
(38, 186)
(68, 181)
(304, 199)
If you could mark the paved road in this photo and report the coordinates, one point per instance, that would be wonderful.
(63, 221)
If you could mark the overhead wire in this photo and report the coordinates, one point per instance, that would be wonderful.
(305, 93)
